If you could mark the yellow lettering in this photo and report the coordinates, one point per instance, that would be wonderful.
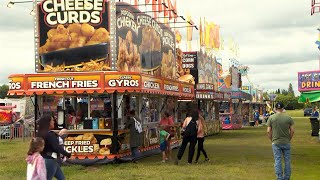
(308, 84)
(303, 84)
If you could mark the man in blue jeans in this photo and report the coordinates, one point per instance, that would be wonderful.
(280, 132)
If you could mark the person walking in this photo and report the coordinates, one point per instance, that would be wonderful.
(202, 130)
(256, 116)
(134, 125)
(190, 125)
(280, 131)
(52, 149)
(36, 169)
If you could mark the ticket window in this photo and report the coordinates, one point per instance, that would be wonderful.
(150, 110)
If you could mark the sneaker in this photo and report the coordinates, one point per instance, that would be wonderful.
(207, 160)
(196, 162)
(189, 164)
(163, 161)
(176, 161)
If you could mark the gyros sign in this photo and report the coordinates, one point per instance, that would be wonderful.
(123, 81)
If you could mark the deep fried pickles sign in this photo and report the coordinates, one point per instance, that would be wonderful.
(78, 146)
(309, 81)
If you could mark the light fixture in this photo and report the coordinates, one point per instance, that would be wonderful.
(10, 4)
(32, 12)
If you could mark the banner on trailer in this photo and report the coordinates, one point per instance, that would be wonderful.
(143, 44)
(73, 36)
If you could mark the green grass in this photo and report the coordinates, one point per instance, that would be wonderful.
(238, 154)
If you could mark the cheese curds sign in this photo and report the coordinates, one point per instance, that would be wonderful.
(309, 81)
(73, 35)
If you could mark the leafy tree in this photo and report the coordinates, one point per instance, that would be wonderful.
(3, 91)
(266, 96)
(284, 92)
(290, 90)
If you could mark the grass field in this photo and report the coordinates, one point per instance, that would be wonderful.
(238, 154)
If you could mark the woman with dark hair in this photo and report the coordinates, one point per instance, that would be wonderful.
(51, 150)
(190, 126)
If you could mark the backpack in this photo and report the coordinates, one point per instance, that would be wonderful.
(191, 129)
(137, 125)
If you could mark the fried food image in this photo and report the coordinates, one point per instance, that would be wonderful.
(79, 138)
(70, 139)
(106, 142)
(150, 40)
(104, 151)
(96, 148)
(128, 55)
(75, 35)
(168, 68)
(88, 136)
(180, 71)
(93, 65)
(187, 78)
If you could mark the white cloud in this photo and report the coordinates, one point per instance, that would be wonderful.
(276, 38)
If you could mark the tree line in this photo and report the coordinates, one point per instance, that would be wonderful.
(287, 97)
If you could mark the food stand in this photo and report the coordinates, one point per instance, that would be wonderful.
(96, 65)
(202, 69)
(308, 85)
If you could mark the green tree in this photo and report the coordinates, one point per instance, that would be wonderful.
(290, 90)
(266, 95)
(284, 92)
(3, 91)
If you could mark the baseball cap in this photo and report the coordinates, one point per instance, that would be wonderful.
(279, 105)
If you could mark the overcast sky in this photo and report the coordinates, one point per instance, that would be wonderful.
(276, 38)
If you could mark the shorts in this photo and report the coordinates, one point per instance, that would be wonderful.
(163, 146)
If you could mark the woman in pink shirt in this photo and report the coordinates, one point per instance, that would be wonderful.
(167, 122)
(202, 129)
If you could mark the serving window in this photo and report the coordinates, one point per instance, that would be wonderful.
(150, 110)
(208, 109)
(126, 103)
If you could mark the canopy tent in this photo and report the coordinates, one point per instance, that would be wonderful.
(310, 96)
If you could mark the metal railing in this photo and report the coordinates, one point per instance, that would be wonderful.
(16, 130)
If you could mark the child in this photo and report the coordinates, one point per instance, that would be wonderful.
(164, 136)
(36, 166)
(62, 135)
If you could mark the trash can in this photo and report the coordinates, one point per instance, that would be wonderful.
(314, 126)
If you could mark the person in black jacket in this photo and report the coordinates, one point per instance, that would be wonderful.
(52, 149)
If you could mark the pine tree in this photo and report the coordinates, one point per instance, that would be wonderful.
(290, 90)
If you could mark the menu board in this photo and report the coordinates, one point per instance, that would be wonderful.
(143, 44)
(73, 36)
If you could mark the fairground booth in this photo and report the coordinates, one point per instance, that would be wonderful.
(97, 61)
(231, 112)
(203, 68)
(309, 87)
